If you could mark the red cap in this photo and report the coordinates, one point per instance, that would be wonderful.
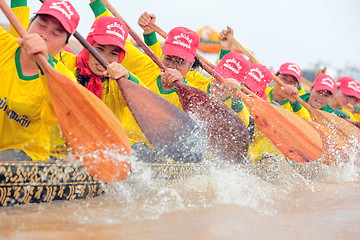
(343, 79)
(258, 78)
(233, 65)
(181, 42)
(63, 11)
(109, 31)
(290, 69)
(348, 86)
(324, 82)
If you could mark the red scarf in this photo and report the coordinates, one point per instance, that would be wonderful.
(94, 85)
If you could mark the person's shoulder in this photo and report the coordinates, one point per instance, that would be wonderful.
(5, 36)
(305, 96)
(7, 42)
(197, 77)
(62, 68)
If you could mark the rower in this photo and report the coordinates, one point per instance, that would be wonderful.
(321, 92)
(346, 92)
(290, 74)
(27, 114)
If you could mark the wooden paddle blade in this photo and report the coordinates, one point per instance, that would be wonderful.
(90, 128)
(292, 135)
(169, 129)
(228, 135)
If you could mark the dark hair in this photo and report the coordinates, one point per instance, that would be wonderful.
(83, 80)
(196, 64)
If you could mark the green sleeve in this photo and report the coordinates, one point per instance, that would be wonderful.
(133, 78)
(208, 89)
(237, 105)
(98, 8)
(357, 108)
(18, 3)
(150, 39)
(305, 97)
(284, 102)
(296, 106)
(341, 114)
(223, 52)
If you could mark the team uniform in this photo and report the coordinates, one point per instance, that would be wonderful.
(65, 62)
(349, 113)
(26, 113)
(327, 108)
(295, 107)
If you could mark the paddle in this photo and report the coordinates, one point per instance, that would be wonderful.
(228, 135)
(170, 130)
(346, 130)
(90, 128)
(307, 146)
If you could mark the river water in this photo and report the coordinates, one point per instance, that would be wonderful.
(227, 203)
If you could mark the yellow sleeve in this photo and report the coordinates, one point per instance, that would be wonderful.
(357, 117)
(296, 107)
(68, 60)
(196, 78)
(140, 64)
(22, 12)
(351, 115)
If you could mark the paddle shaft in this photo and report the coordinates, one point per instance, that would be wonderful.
(315, 113)
(207, 66)
(294, 153)
(134, 35)
(222, 122)
(40, 58)
(254, 60)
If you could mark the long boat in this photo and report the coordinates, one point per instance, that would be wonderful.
(23, 182)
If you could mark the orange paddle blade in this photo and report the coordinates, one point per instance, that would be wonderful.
(90, 128)
(292, 135)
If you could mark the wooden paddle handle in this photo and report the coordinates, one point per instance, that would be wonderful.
(40, 58)
(88, 47)
(254, 60)
(134, 35)
(207, 66)
(91, 49)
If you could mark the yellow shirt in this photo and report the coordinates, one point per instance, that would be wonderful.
(65, 62)
(26, 113)
(296, 107)
(351, 115)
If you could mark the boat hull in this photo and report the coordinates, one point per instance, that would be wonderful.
(23, 182)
